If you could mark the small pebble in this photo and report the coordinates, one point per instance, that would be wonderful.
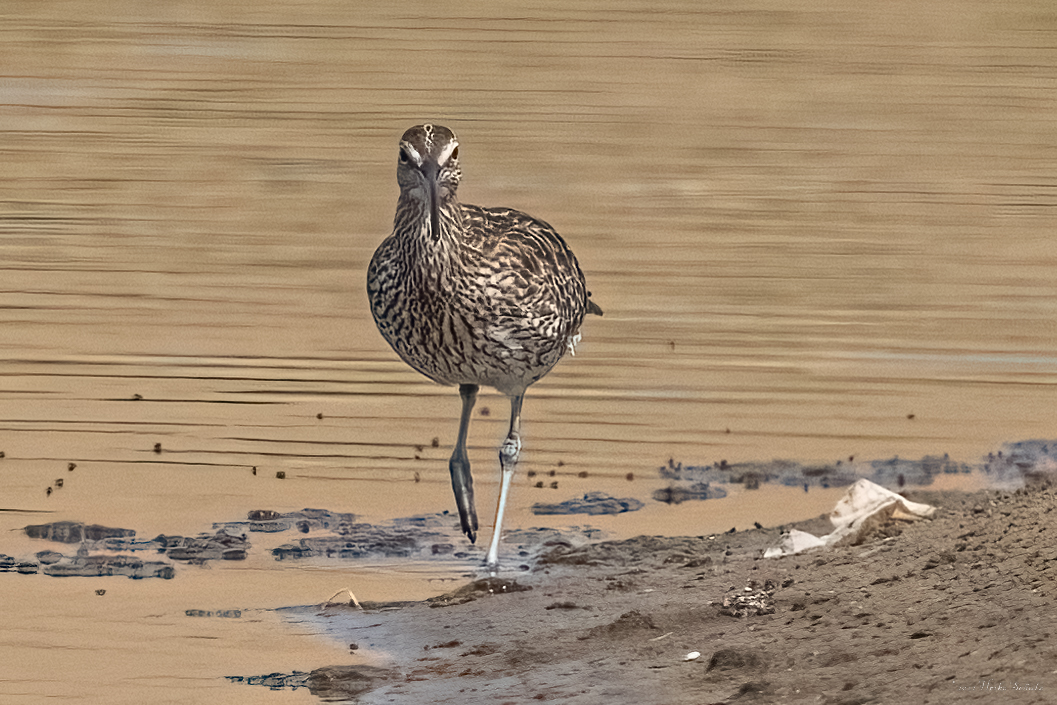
(692, 655)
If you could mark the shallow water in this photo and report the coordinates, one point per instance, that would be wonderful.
(816, 232)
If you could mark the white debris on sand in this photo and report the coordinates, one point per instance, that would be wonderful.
(864, 507)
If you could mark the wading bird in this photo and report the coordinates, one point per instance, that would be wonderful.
(472, 296)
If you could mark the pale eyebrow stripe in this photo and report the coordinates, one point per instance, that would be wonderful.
(413, 152)
(444, 155)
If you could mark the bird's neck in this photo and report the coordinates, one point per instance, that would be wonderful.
(436, 253)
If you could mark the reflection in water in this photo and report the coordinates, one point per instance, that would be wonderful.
(815, 233)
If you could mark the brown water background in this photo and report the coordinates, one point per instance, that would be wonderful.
(818, 229)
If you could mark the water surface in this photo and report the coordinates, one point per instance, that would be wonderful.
(816, 230)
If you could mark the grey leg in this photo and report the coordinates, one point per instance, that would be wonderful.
(459, 466)
(508, 456)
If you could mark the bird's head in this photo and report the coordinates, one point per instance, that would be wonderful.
(428, 169)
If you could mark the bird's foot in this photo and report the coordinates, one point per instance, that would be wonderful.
(462, 484)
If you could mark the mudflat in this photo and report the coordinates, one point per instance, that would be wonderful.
(961, 607)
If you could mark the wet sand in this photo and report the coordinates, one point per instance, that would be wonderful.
(958, 608)
(818, 232)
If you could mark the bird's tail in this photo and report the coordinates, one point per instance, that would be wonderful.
(592, 307)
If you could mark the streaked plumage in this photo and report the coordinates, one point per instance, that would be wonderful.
(472, 296)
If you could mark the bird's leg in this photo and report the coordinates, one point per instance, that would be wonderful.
(459, 466)
(508, 456)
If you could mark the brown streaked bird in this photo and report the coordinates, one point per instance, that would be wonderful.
(472, 296)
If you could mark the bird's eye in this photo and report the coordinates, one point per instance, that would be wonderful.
(404, 159)
(455, 153)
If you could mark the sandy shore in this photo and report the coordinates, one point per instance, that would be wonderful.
(957, 608)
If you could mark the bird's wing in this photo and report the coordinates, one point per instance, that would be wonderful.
(516, 253)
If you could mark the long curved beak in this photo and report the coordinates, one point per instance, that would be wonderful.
(432, 171)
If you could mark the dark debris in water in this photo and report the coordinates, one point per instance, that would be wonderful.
(223, 614)
(329, 684)
(1024, 463)
(362, 540)
(218, 545)
(893, 473)
(1015, 465)
(75, 532)
(749, 474)
(896, 472)
(204, 547)
(338, 535)
(320, 534)
(85, 566)
(593, 503)
(304, 521)
(105, 551)
(422, 537)
(102, 550)
(676, 494)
